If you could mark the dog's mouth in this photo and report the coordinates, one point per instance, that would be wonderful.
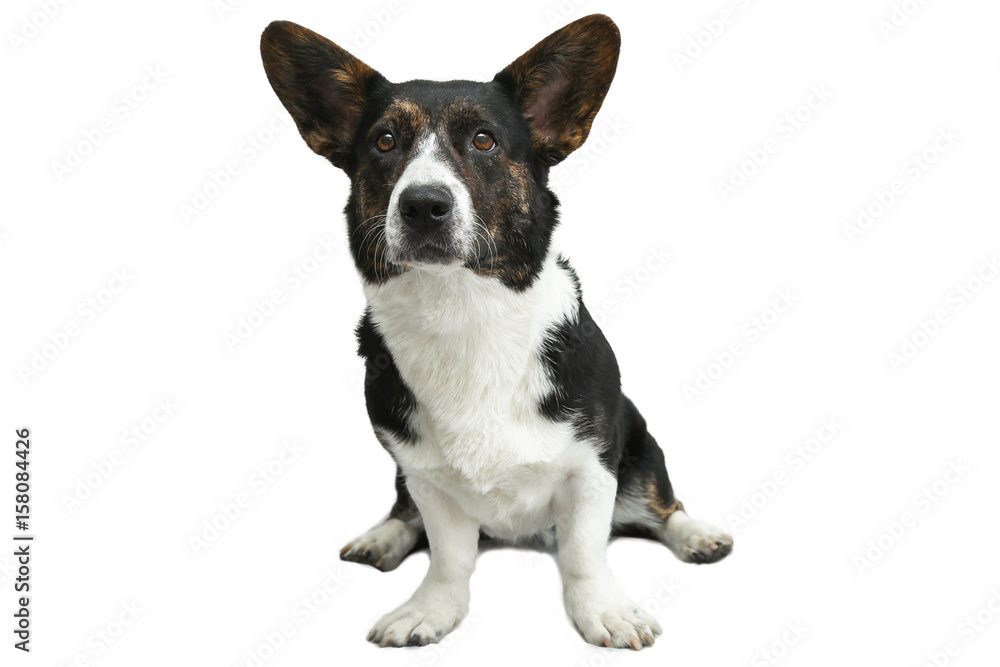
(428, 252)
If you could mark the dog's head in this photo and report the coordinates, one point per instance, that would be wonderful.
(448, 175)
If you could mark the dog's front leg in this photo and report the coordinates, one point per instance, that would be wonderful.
(599, 608)
(442, 599)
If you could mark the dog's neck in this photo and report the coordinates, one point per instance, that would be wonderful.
(468, 332)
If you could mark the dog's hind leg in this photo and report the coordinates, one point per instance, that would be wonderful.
(646, 507)
(386, 545)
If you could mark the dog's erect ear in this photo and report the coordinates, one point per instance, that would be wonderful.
(561, 82)
(323, 86)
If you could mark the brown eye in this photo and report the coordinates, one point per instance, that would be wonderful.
(386, 142)
(483, 141)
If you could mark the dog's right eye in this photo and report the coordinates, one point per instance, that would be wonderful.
(385, 142)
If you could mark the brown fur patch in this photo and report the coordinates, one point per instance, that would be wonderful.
(655, 504)
(407, 112)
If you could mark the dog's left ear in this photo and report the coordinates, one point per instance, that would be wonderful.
(561, 82)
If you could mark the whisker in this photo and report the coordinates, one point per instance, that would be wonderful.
(492, 244)
(375, 228)
(489, 234)
(362, 225)
(479, 249)
(380, 267)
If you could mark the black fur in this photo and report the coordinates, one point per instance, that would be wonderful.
(387, 397)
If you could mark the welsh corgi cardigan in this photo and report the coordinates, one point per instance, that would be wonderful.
(487, 380)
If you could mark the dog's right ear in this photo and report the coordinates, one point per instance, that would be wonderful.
(321, 85)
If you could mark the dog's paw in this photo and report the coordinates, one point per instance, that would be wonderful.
(417, 623)
(696, 541)
(615, 625)
(383, 547)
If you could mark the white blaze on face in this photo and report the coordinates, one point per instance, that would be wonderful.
(428, 167)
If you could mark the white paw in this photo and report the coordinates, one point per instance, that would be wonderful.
(418, 623)
(611, 620)
(695, 541)
(383, 547)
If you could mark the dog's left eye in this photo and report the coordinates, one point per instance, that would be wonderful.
(483, 141)
(385, 142)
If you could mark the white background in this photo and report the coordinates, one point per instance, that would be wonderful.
(672, 131)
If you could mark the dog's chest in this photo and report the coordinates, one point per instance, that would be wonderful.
(469, 350)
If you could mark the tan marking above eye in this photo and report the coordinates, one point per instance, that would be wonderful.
(483, 141)
(386, 142)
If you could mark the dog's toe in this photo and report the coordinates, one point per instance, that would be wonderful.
(708, 548)
(417, 623)
(358, 554)
(696, 541)
(383, 547)
(617, 627)
(605, 616)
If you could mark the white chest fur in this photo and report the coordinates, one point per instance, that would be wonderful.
(468, 348)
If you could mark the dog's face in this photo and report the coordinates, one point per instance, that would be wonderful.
(445, 170)
(446, 175)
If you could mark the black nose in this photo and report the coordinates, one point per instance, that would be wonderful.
(425, 208)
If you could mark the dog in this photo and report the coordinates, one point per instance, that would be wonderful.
(487, 380)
